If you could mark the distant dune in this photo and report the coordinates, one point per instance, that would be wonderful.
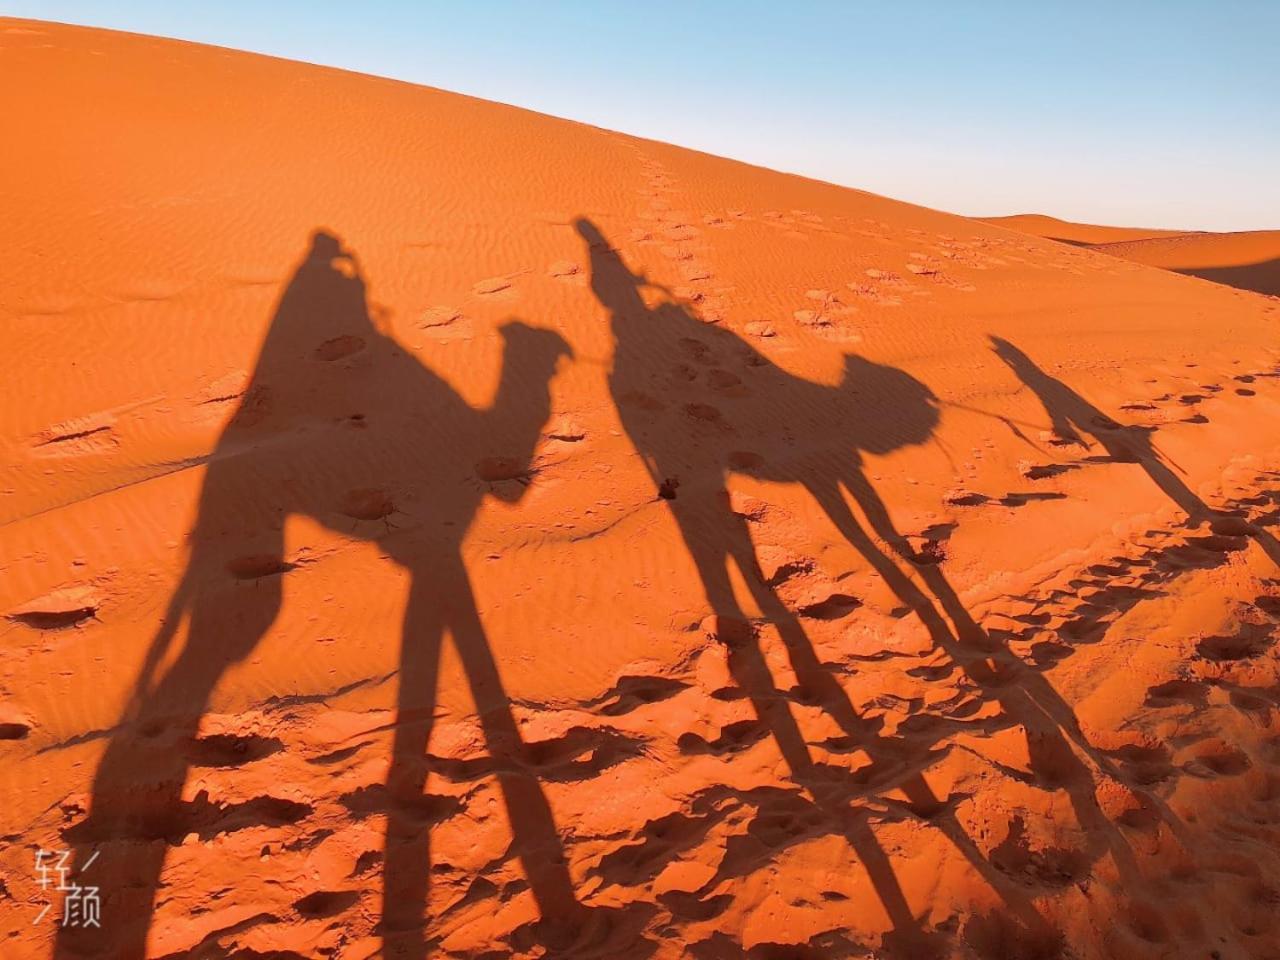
(1249, 260)
(1085, 234)
(430, 528)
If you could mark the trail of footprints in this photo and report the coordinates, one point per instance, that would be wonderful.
(829, 311)
(750, 826)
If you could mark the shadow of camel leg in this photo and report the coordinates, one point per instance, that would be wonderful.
(1269, 544)
(1024, 694)
(915, 788)
(832, 502)
(407, 866)
(707, 546)
(1196, 509)
(907, 933)
(136, 807)
(813, 675)
(535, 837)
(970, 639)
(866, 496)
(1173, 487)
(918, 793)
(1013, 896)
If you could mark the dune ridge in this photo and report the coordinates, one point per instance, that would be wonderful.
(1085, 234)
(1247, 259)
(431, 528)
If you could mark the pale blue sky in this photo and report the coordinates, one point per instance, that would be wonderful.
(1161, 113)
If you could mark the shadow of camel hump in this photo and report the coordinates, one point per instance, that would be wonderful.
(341, 424)
(695, 398)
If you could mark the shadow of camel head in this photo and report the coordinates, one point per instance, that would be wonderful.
(529, 343)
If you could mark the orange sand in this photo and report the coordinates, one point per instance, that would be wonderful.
(434, 529)
(1249, 260)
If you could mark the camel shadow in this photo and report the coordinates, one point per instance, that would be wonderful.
(693, 399)
(341, 424)
(1077, 421)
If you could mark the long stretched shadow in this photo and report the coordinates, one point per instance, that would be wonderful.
(1075, 419)
(694, 400)
(338, 423)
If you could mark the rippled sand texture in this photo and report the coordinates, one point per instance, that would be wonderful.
(428, 528)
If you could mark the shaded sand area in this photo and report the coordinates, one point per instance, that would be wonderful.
(433, 529)
(1248, 260)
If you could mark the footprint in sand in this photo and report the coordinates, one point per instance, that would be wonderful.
(367, 504)
(565, 270)
(94, 433)
(493, 285)
(444, 323)
(437, 317)
(339, 348)
(65, 607)
(1177, 693)
(868, 291)
(680, 231)
(761, 329)
(1218, 759)
(12, 730)
(693, 272)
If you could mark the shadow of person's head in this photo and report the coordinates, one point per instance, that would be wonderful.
(321, 317)
(590, 233)
(1011, 355)
(324, 246)
(616, 285)
(327, 254)
(326, 294)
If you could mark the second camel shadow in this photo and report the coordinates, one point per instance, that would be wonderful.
(694, 398)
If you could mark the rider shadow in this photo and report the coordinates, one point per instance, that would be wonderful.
(693, 398)
(340, 424)
(1075, 419)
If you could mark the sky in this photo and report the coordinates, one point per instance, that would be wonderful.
(1155, 113)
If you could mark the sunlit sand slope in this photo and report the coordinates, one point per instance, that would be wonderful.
(1247, 260)
(428, 528)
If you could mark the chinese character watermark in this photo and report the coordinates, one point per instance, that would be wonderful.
(81, 904)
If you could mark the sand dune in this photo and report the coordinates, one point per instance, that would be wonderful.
(429, 528)
(1248, 260)
(1084, 234)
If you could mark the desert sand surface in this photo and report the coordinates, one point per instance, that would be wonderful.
(429, 528)
(1248, 259)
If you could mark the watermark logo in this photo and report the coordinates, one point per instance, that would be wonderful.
(81, 904)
